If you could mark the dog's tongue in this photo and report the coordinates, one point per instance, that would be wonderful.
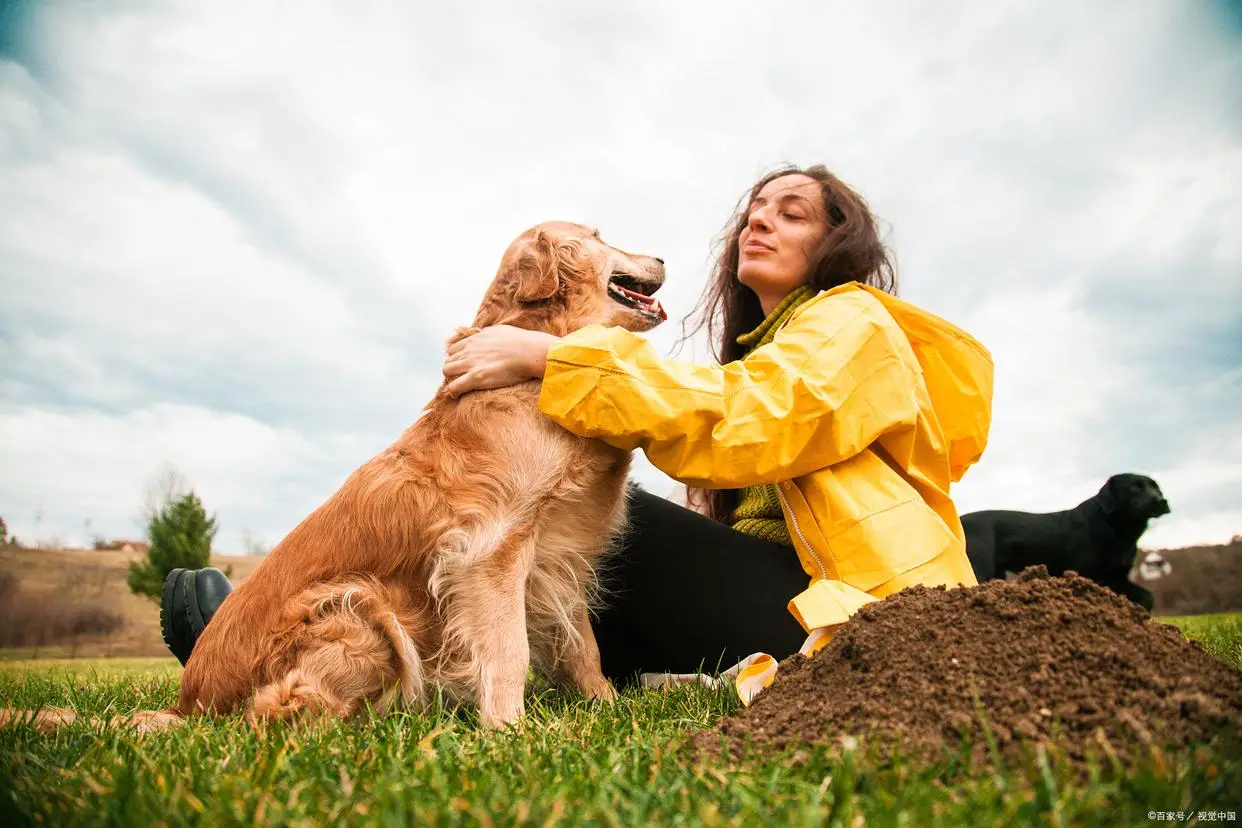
(652, 304)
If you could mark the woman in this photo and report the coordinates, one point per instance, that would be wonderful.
(820, 450)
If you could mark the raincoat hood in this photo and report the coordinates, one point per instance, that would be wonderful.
(957, 369)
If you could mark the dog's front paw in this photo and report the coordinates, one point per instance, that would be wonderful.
(601, 690)
(502, 715)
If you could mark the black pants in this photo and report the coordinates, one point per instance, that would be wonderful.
(685, 593)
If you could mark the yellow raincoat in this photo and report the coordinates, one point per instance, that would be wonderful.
(863, 409)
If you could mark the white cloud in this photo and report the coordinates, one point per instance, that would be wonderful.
(235, 236)
(91, 466)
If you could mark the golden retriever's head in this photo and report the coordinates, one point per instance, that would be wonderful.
(559, 277)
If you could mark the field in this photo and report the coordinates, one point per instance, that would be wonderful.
(568, 763)
(1204, 580)
(56, 578)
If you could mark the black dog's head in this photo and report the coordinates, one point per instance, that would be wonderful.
(1133, 497)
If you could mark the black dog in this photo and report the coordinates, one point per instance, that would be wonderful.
(1098, 538)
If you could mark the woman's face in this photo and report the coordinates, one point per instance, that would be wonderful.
(785, 222)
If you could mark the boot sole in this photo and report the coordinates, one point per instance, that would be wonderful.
(171, 581)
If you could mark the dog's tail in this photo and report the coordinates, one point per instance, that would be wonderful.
(51, 719)
(344, 647)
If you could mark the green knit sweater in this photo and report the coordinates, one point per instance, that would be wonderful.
(758, 511)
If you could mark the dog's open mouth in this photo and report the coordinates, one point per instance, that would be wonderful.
(626, 290)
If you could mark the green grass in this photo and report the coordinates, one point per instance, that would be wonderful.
(1219, 633)
(92, 668)
(569, 762)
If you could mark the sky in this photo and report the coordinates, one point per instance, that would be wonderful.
(236, 234)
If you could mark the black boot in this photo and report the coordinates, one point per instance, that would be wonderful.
(191, 597)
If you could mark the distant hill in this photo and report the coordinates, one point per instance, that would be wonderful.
(1203, 579)
(74, 602)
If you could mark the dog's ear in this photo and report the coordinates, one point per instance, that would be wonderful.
(1107, 497)
(1113, 494)
(538, 270)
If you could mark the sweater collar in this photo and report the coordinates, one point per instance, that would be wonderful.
(767, 329)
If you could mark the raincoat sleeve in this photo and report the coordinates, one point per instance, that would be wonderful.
(832, 381)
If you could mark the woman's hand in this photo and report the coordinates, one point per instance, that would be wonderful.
(494, 357)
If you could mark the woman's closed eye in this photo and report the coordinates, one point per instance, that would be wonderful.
(793, 216)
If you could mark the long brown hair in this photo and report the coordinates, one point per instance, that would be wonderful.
(851, 251)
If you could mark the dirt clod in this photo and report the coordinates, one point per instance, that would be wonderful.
(1043, 658)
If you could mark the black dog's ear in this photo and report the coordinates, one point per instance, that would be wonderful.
(1107, 496)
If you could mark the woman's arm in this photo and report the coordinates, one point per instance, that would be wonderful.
(494, 357)
(834, 380)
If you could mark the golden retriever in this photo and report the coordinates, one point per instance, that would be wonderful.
(458, 557)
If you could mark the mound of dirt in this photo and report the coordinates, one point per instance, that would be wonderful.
(1046, 658)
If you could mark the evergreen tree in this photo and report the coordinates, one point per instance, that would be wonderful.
(180, 535)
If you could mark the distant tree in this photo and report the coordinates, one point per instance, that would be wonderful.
(162, 488)
(180, 534)
(4, 532)
(254, 545)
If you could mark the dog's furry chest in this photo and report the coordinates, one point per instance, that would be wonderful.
(534, 499)
(534, 456)
(576, 489)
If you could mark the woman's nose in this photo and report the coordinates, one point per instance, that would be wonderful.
(758, 219)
